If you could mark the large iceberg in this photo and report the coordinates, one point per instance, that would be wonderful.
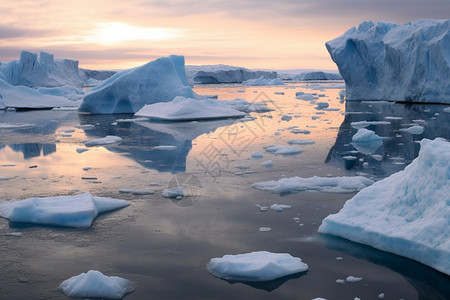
(388, 61)
(255, 266)
(68, 211)
(128, 91)
(407, 213)
(94, 284)
(188, 109)
(43, 71)
(224, 74)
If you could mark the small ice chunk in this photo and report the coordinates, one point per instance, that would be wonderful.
(283, 150)
(165, 147)
(279, 207)
(81, 150)
(267, 164)
(173, 192)
(257, 155)
(366, 141)
(300, 142)
(95, 284)
(110, 139)
(416, 129)
(340, 281)
(255, 266)
(381, 296)
(265, 229)
(136, 192)
(16, 234)
(286, 118)
(353, 279)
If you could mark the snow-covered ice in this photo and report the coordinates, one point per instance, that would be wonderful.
(366, 141)
(319, 184)
(68, 211)
(388, 61)
(94, 284)
(260, 81)
(224, 74)
(128, 91)
(256, 266)
(188, 109)
(407, 213)
(107, 140)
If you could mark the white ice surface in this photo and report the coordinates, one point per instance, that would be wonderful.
(263, 81)
(319, 184)
(107, 140)
(283, 150)
(188, 109)
(407, 213)
(256, 266)
(224, 74)
(68, 211)
(95, 284)
(366, 141)
(387, 61)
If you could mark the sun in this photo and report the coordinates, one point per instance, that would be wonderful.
(115, 33)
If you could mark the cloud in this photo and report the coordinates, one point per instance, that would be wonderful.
(11, 32)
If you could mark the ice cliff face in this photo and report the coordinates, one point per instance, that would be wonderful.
(128, 91)
(43, 71)
(224, 74)
(387, 61)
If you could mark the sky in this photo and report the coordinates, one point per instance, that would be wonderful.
(273, 34)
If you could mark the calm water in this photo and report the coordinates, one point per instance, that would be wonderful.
(162, 245)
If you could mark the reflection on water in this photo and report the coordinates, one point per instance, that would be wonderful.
(399, 147)
(429, 283)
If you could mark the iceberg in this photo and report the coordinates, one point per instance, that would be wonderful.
(407, 214)
(94, 284)
(188, 109)
(260, 81)
(23, 97)
(224, 74)
(43, 71)
(256, 266)
(128, 91)
(388, 61)
(67, 211)
(317, 75)
(296, 184)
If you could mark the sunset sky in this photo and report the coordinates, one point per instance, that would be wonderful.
(117, 34)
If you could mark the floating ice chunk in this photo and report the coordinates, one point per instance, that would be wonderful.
(108, 140)
(306, 96)
(263, 81)
(15, 234)
(447, 109)
(224, 74)
(81, 150)
(173, 192)
(267, 164)
(366, 141)
(280, 207)
(265, 229)
(364, 124)
(245, 106)
(242, 167)
(136, 192)
(69, 211)
(353, 279)
(322, 105)
(257, 155)
(416, 129)
(188, 109)
(256, 266)
(381, 296)
(321, 184)
(340, 281)
(283, 150)
(405, 213)
(95, 284)
(286, 118)
(16, 125)
(5, 178)
(300, 142)
(165, 147)
(300, 131)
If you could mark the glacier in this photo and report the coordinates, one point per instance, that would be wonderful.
(224, 74)
(387, 61)
(128, 91)
(407, 213)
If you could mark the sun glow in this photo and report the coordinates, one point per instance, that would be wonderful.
(115, 33)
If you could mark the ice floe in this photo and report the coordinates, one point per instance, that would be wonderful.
(188, 109)
(366, 141)
(107, 140)
(415, 129)
(407, 213)
(283, 150)
(260, 81)
(224, 74)
(256, 266)
(317, 184)
(388, 61)
(68, 211)
(94, 284)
